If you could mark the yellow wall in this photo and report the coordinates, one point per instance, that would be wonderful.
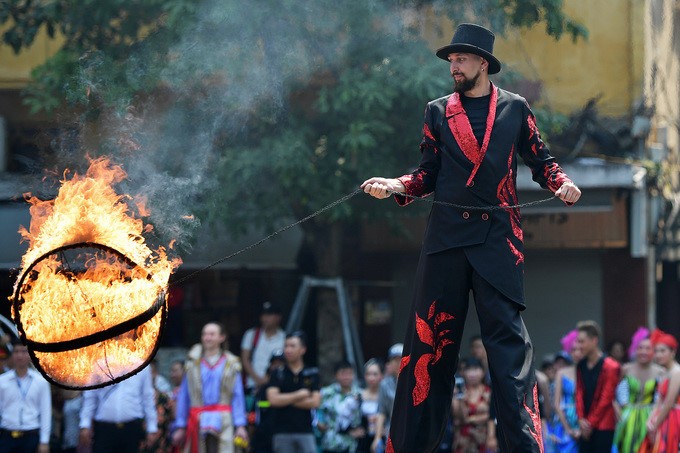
(15, 70)
(662, 94)
(610, 62)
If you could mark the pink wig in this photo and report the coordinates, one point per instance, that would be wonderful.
(641, 334)
(568, 341)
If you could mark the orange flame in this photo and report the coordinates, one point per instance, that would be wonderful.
(61, 303)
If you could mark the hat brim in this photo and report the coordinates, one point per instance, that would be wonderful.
(494, 64)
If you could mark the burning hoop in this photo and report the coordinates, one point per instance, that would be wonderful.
(90, 302)
(100, 331)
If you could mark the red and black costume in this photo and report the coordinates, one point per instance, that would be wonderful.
(595, 393)
(471, 250)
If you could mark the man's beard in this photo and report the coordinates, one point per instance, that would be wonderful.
(465, 84)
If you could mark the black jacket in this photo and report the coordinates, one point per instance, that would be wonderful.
(457, 170)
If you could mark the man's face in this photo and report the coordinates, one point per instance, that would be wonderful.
(293, 349)
(212, 337)
(465, 69)
(20, 357)
(345, 377)
(586, 344)
(392, 366)
(176, 373)
(270, 320)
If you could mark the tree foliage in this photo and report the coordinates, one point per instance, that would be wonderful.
(286, 104)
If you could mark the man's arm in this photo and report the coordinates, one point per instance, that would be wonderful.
(247, 355)
(584, 425)
(544, 169)
(420, 182)
(311, 402)
(148, 402)
(87, 411)
(278, 399)
(45, 413)
(86, 416)
(607, 394)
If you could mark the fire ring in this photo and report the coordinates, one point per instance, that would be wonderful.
(38, 348)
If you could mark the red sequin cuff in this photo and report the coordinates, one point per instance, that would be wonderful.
(555, 177)
(407, 181)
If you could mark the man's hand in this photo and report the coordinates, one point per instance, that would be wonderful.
(44, 448)
(85, 437)
(304, 393)
(374, 444)
(568, 192)
(151, 438)
(586, 429)
(382, 187)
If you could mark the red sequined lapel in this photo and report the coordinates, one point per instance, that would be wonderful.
(462, 131)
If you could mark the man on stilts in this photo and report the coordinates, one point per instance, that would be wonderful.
(471, 140)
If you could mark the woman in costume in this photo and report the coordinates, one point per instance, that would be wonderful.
(663, 427)
(565, 432)
(373, 374)
(472, 411)
(635, 394)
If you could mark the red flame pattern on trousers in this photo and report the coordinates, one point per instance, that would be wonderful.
(432, 333)
(537, 432)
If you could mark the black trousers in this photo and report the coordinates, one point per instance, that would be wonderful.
(117, 437)
(21, 442)
(422, 403)
(599, 441)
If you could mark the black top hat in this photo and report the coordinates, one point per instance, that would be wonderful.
(475, 39)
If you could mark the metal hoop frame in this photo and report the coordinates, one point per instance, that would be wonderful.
(88, 340)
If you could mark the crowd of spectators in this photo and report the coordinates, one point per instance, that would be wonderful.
(270, 400)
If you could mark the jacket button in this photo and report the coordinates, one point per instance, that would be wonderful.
(466, 215)
(485, 216)
(472, 183)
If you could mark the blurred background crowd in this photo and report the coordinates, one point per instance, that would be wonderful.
(270, 400)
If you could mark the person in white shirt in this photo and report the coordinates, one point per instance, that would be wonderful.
(259, 343)
(25, 406)
(115, 418)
